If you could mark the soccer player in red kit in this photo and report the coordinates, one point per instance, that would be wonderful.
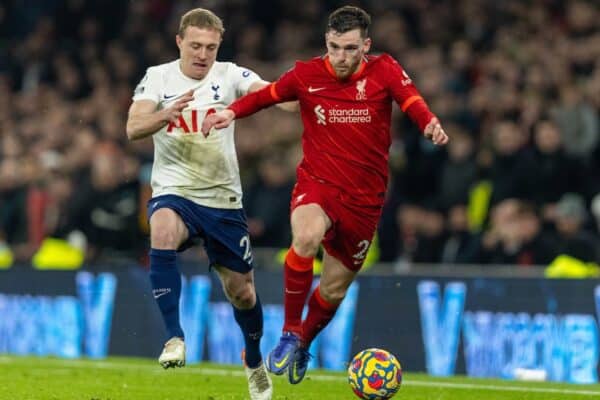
(345, 102)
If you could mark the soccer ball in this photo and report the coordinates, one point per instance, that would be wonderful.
(375, 374)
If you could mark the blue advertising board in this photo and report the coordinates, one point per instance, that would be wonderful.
(485, 327)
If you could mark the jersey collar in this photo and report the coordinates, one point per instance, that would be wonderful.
(190, 79)
(355, 75)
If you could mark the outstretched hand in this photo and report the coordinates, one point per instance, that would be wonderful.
(218, 120)
(172, 113)
(434, 132)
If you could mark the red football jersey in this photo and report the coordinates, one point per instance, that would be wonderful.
(346, 136)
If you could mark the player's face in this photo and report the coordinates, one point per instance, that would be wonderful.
(198, 50)
(346, 50)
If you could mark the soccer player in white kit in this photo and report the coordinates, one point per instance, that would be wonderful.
(196, 190)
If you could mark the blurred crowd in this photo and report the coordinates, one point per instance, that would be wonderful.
(516, 84)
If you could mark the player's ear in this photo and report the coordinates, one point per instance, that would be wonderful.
(367, 45)
(178, 40)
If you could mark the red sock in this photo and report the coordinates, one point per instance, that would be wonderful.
(320, 312)
(298, 276)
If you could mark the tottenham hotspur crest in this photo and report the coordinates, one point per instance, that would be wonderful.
(215, 89)
(360, 89)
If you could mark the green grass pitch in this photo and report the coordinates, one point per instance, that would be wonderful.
(31, 378)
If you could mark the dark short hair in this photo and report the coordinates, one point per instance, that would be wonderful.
(348, 18)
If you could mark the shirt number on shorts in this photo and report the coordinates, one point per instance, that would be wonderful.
(245, 244)
(363, 246)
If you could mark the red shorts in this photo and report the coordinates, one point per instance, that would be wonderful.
(353, 226)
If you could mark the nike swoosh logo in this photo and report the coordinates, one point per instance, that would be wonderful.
(168, 97)
(295, 374)
(161, 292)
(312, 89)
(282, 363)
(293, 291)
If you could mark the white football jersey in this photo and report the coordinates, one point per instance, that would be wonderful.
(201, 169)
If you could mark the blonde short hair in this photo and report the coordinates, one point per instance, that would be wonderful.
(200, 18)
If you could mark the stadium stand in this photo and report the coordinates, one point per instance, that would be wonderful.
(517, 85)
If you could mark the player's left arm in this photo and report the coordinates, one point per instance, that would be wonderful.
(434, 132)
(291, 106)
(411, 102)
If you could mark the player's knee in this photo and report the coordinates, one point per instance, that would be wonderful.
(333, 294)
(242, 297)
(306, 242)
(164, 239)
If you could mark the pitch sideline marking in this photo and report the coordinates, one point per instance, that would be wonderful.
(451, 385)
(317, 377)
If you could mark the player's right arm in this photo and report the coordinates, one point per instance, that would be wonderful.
(144, 119)
(283, 90)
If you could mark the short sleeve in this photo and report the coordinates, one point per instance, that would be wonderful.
(149, 87)
(241, 78)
